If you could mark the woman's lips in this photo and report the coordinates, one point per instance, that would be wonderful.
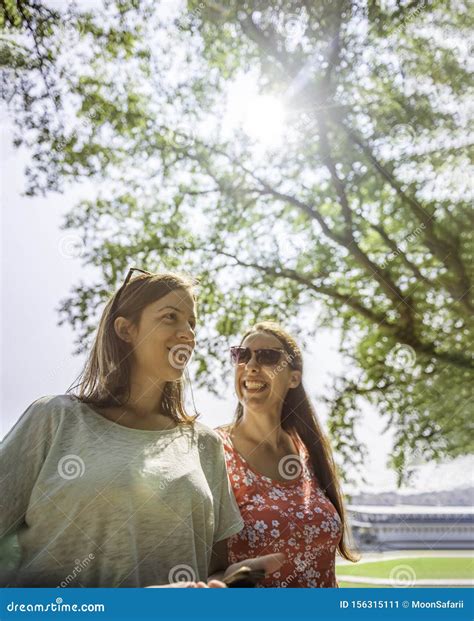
(254, 385)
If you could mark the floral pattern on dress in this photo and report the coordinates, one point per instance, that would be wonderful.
(294, 517)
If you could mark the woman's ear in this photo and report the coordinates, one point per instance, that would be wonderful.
(295, 379)
(123, 329)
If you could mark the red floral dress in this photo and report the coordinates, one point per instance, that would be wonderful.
(294, 517)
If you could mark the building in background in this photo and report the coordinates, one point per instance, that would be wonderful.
(404, 527)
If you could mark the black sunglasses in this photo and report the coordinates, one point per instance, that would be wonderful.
(124, 284)
(265, 357)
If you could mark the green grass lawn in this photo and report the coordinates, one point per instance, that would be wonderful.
(360, 585)
(419, 568)
(366, 585)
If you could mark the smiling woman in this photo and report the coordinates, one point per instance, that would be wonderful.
(153, 317)
(280, 465)
(118, 473)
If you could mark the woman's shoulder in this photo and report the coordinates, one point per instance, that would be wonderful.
(205, 433)
(223, 432)
(218, 437)
(49, 401)
(212, 448)
(41, 418)
(53, 405)
(55, 409)
(49, 404)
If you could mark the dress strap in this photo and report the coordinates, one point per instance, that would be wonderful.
(300, 445)
(225, 435)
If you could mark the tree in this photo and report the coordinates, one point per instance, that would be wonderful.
(360, 214)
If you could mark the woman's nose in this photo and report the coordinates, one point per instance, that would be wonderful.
(252, 363)
(186, 334)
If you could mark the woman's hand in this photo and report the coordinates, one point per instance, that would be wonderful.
(269, 563)
(212, 584)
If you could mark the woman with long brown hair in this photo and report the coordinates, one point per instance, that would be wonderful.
(116, 485)
(281, 467)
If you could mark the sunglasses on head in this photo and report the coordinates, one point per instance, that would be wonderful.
(264, 357)
(124, 284)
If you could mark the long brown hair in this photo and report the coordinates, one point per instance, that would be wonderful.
(105, 379)
(298, 415)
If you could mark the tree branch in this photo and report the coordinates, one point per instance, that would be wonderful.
(386, 283)
(381, 321)
(394, 248)
(445, 252)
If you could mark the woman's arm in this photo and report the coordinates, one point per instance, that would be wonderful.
(219, 560)
(219, 567)
(213, 584)
(22, 455)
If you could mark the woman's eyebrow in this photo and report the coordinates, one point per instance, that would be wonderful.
(176, 309)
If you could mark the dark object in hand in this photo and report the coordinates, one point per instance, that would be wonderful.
(244, 578)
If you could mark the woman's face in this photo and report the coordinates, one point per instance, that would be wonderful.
(259, 386)
(164, 339)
